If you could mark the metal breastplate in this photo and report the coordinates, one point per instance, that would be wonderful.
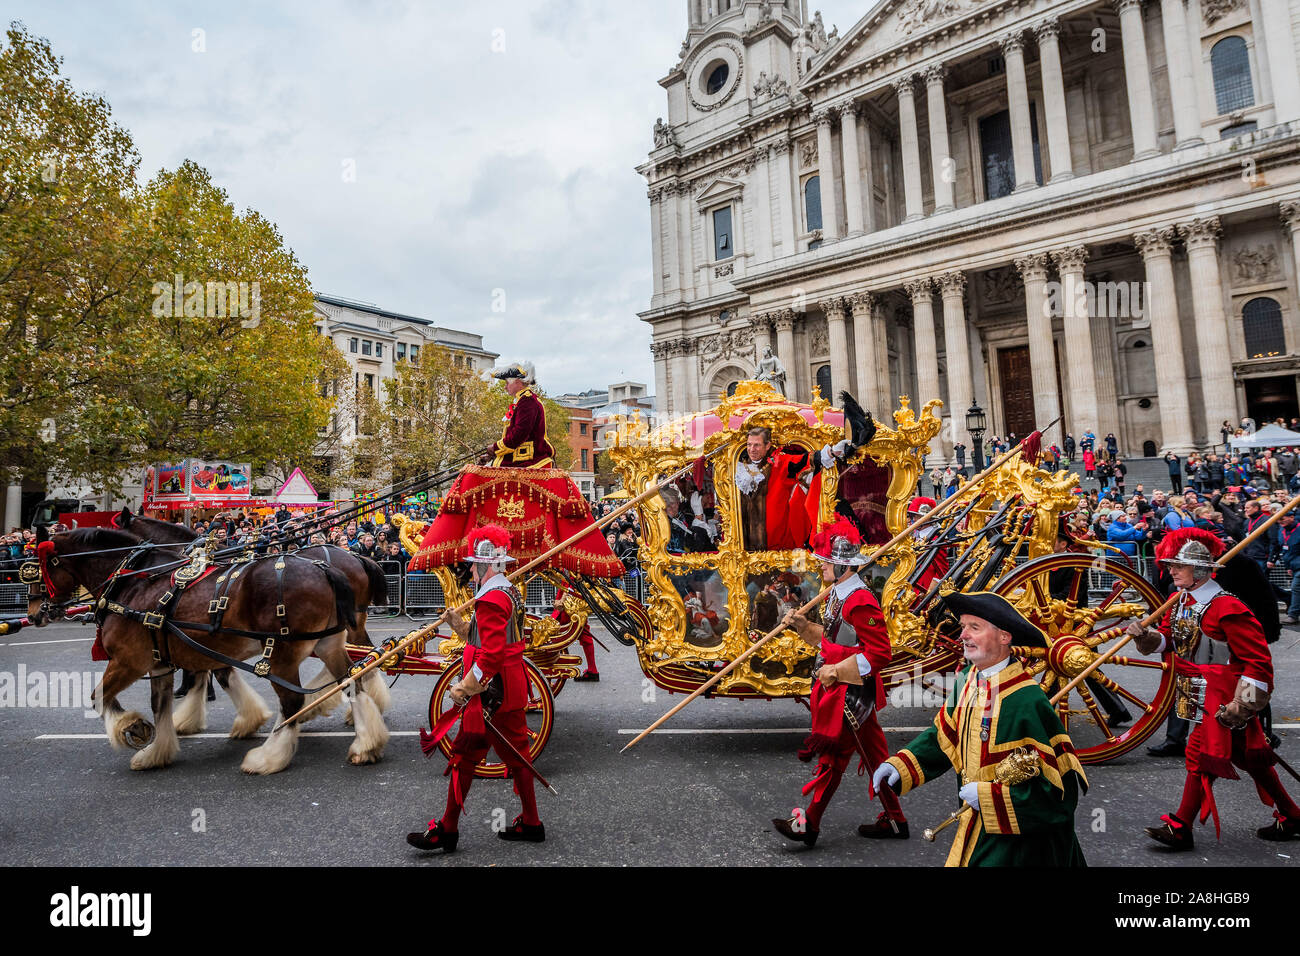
(859, 699)
(514, 624)
(1192, 644)
(838, 631)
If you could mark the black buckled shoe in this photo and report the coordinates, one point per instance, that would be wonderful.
(1119, 719)
(1173, 833)
(523, 832)
(1280, 830)
(884, 829)
(587, 676)
(806, 835)
(434, 838)
(1167, 748)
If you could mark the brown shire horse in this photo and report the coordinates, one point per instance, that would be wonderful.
(317, 600)
(368, 584)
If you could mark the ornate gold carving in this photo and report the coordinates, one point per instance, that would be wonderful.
(510, 508)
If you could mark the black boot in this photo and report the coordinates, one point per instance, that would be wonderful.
(1281, 829)
(1167, 748)
(884, 829)
(808, 836)
(523, 832)
(434, 838)
(1173, 833)
(586, 676)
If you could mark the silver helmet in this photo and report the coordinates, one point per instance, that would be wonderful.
(1193, 554)
(842, 551)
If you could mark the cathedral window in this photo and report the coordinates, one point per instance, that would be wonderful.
(812, 203)
(723, 246)
(1261, 321)
(1230, 64)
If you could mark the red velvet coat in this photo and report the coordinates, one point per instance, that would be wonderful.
(495, 655)
(786, 513)
(523, 443)
(862, 612)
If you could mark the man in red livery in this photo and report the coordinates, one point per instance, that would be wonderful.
(493, 668)
(847, 688)
(1224, 679)
(523, 441)
(771, 496)
(585, 640)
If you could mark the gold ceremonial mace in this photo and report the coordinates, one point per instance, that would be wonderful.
(1016, 767)
(875, 556)
(431, 629)
(1147, 621)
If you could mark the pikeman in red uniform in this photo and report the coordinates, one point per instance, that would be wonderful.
(493, 668)
(1224, 679)
(938, 567)
(847, 688)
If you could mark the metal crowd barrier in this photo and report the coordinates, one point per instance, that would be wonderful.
(13, 597)
(422, 594)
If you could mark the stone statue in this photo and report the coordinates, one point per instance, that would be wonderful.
(765, 11)
(664, 135)
(771, 370)
(819, 41)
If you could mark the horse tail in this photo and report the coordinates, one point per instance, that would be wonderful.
(378, 581)
(345, 599)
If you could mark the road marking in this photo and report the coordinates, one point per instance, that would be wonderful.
(307, 733)
(65, 640)
(755, 730)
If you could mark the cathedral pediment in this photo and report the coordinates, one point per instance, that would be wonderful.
(890, 24)
(720, 190)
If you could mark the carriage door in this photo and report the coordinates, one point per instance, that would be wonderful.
(1017, 391)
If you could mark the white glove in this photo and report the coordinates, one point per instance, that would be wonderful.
(840, 447)
(886, 773)
(971, 794)
(697, 504)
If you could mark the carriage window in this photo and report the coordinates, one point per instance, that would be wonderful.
(771, 483)
(694, 526)
(1230, 64)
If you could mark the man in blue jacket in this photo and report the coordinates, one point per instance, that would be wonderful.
(1124, 535)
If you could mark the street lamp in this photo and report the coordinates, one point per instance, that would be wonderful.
(976, 423)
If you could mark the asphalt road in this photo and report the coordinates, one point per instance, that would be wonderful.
(703, 794)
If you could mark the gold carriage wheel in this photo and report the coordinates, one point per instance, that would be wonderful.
(1079, 626)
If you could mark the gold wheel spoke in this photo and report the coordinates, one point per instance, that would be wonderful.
(1115, 592)
(1111, 684)
(1135, 662)
(1091, 703)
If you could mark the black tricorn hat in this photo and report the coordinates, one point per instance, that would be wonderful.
(997, 611)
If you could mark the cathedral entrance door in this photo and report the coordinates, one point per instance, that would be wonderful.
(1017, 391)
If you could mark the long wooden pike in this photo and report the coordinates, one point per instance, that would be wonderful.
(1159, 612)
(875, 556)
(431, 629)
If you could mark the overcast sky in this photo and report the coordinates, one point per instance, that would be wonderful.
(493, 143)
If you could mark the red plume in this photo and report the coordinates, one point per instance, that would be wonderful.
(844, 528)
(498, 535)
(1173, 542)
(1032, 447)
(45, 549)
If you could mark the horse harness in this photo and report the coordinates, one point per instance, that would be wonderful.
(160, 619)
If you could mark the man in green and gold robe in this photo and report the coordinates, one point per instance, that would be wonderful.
(995, 708)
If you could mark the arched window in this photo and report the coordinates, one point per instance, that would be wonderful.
(824, 381)
(1261, 320)
(812, 202)
(1230, 64)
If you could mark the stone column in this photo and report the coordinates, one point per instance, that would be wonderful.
(1283, 71)
(869, 179)
(670, 222)
(784, 322)
(1290, 211)
(1058, 129)
(1218, 389)
(911, 144)
(956, 341)
(1182, 77)
(1137, 76)
(862, 305)
(852, 169)
(690, 375)
(1167, 338)
(761, 197)
(826, 171)
(685, 238)
(1022, 136)
(660, 352)
(1042, 353)
(656, 196)
(1078, 340)
(761, 325)
(941, 160)
(880, 330)
(13, 504)
(926, 353)
(835, 311)
(787, 215)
